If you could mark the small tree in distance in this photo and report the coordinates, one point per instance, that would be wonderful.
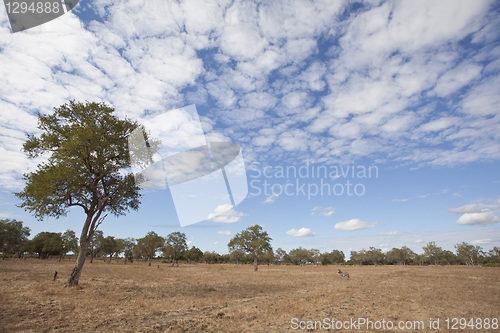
(13, 237)
(175, 246)
(95, 244)
(128, 249)
(148, 245)
(110, 246)
(87, 148)
(433, 252)
(253, 241)
(70, 243)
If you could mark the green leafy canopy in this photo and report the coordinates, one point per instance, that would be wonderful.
(252, 240)
(87, 152)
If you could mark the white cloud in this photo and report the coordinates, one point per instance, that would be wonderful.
(225, 233)
(302, 232)
(469, 208)
(325, 211)
(390, 59)
(480, 219)
(456, 78)
(480, 213)
(353, 224)
(225, 214)
(391, 233)
(483, 98)
(482, 241)
(439, 124)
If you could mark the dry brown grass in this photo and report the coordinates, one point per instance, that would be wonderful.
(228, 298)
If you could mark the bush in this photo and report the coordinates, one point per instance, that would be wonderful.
(490, 264)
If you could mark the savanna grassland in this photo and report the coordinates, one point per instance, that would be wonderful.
(113, 297)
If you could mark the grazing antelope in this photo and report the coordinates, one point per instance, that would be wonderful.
(342, 274)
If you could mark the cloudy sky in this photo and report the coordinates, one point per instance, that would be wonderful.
(361, 124)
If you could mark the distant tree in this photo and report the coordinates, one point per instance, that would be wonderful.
(87, 147)
(194, 254)
(469, 254)
(449, 257)
(282, 256)
(175, 245)
(70, 243)
(95, 244)
(335, 257)
(402, 256)
(47, 244)
(13, 237)
(357, 257)
(237, 256)
(266, 257)
(120, 246)
(110, 246)
(149, 244)
(433, 252)
(252, 240)
(140, 252)
(210, 257)
(494, 255)
(301, 256)
(421, 259)
(224, 258)
(374, 256)
(315, 255)
(325, 259)
(128, 249)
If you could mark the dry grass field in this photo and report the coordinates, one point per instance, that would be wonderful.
(228, 298)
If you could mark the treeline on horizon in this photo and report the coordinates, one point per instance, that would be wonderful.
(173, 248)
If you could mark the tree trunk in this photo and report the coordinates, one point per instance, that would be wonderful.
(255, 267)
(149, 262)
(77, 270)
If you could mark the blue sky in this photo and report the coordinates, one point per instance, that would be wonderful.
(410, 89)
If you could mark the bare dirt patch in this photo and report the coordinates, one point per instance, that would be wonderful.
(230, 298)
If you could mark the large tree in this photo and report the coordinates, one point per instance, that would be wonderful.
(251, 240)
(13, 237)
(175, 246)
(87, 150)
